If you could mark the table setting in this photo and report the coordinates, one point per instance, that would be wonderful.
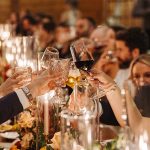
(59, 119)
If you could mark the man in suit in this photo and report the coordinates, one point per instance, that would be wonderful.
(20, 99)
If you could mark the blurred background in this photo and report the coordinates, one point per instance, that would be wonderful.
(100, 10)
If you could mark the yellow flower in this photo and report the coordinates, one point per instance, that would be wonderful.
(43, 148)
(25, 142)
(56, 140)
(25, 120)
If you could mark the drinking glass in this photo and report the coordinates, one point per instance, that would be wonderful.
(59, 67)
(82, 58)
(49, 53)
(24, 73)
(78, 121)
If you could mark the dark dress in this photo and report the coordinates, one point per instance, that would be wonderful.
(142, 100)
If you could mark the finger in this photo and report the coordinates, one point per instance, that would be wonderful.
(14, 75)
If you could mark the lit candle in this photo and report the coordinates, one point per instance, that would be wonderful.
(46, 117)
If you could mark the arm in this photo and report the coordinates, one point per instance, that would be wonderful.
(15, 102)
(115, 99)
(9, 107)
(137, 123)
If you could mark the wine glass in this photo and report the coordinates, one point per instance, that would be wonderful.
(59, 67)
(82, 58)
(49, 53)
(78, 121)
(24, 73)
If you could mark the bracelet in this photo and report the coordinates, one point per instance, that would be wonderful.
(27, 93)
(112, 88)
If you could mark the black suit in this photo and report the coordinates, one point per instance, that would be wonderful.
(10, 106)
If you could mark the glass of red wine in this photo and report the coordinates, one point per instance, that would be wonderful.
(82, 58)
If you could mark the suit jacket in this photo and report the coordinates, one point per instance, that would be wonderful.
(10, 106)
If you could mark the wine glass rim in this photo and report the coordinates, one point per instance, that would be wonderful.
(53, 49)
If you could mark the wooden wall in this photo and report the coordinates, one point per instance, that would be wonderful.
(4, 9)
(100, 10)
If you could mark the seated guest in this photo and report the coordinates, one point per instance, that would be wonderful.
(13, 103)
(28, 26)
(63, 39)
(46, 35)
(85, 26)
(137, 123)
(14, 21)
(140, 76)
(140, 70)
(104, 39)
(129, 45)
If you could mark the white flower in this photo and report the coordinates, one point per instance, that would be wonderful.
(25, 142)
(25, 120)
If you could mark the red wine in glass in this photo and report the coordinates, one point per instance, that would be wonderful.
(84, 65)
(82, 57)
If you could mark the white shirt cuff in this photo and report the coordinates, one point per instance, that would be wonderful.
(23, 99)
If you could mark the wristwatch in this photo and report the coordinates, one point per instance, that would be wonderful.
(27, 93)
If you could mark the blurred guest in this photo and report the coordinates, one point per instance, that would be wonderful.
(129, 45)
(24, 12)
(71, 12)
(104, 39)
(140, 75)
(62, 39)
(85, 26)
(46, 35)
(14, 21)
(108, 63)
(142, 9)
(140, 70)
(29, 25)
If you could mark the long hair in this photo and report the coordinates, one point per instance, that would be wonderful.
(144, 59)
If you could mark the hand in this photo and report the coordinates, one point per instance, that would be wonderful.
(43, 83)
(101, 79)
(109, 65)
(10, 84)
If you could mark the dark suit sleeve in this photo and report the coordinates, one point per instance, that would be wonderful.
(10, 106)
(108, 116)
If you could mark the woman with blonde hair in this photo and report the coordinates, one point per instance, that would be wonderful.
(137, 122)
(140, 77)
(140, 70)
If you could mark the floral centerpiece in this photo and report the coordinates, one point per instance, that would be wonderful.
(31, 130)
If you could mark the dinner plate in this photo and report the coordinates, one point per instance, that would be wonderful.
(9, 135)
